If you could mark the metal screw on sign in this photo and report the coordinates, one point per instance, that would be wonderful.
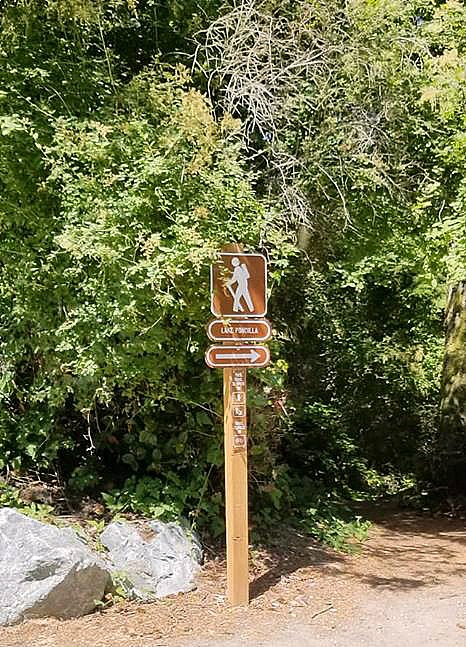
(238, 289)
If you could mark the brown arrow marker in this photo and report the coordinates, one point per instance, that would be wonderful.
(247, 356)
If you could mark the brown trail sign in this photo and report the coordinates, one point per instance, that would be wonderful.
(239, 285)
(239, 330)
(239, 298)
(248, 356)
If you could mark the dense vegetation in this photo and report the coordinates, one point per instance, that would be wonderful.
(138, 137)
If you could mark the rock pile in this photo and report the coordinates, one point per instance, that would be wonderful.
(50, 571)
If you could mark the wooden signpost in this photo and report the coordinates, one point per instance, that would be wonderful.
(239, 301)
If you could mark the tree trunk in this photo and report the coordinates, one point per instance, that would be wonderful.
(452, 441)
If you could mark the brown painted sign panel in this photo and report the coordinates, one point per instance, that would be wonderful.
(248, 356)
(238, 411)
(239, 330)
(239, 285)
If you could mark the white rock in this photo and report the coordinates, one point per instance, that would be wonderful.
(164, 561)
(45, 571)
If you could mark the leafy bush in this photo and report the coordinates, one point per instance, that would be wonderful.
(335, 526)
(120, 180)
(117, 192)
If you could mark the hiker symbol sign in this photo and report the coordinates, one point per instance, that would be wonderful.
(239, 285)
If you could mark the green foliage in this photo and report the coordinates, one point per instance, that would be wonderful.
(335, 526)
(119, 182)
(367, 385)
(118, 188)
(168, 499)
(366, 350)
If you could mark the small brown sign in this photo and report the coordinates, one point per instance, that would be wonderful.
(238, 411)
(248, 356)
(239, 285)
(239, 330)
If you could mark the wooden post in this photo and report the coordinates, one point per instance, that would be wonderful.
(236, 485)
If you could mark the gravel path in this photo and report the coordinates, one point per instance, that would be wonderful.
(407, 589)
(433, 617)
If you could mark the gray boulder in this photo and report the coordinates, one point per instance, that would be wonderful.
(153, 560)
(45, 571)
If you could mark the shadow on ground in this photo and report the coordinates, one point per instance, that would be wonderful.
(288, 552)
(404, 551)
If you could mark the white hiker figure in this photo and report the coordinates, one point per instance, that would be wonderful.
(241, 278)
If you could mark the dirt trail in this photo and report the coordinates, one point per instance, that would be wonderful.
(407, 587)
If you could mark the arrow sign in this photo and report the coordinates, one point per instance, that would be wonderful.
(224, 356)
(252, 355)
